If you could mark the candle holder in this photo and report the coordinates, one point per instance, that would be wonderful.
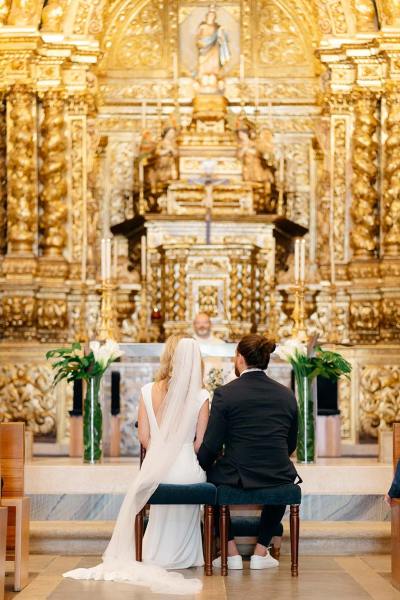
(298, 314)
(280, 209)
(81, 335)
(109, 329)
(143, 332)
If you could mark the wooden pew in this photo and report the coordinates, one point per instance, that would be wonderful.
(12, 459)
(396, 514)
(3, 538)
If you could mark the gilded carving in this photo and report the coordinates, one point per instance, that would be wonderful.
(390, 12)
(120, 200)
(391, 196)
(3, 179)
(21, 171)
(364, 210)
(390, 319)
(77, 132)
(364, 320)
(138, 43)
(52, 175)
(52, 317)
(26, 395)
(379, 398)
(276, 30)
(339, 180)
(18, 316)
(345, 407)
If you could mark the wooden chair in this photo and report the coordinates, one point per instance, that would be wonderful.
(197, 493)
(12, 459)
(289, 494)
(3, 539)
(396, 513)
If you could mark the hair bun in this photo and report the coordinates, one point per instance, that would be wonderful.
(268, 345)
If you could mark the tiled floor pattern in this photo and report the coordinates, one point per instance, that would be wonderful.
(321, 578)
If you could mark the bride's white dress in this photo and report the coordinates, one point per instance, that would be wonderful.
(173, 535)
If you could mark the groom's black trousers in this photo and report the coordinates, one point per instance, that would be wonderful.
(271, 516)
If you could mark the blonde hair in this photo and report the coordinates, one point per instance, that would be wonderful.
(167, 358)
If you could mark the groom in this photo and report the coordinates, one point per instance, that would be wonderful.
(254, 419)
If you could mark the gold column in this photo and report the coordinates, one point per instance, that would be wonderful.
(21, 172)
(53, 176)
(391, 192)
(364, 210)
(3, 179)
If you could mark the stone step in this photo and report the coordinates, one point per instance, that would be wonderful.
(316, 537)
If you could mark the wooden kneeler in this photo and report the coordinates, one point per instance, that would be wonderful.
(12, 457)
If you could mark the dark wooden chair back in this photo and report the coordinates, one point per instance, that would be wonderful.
(12, 459)
(396, 514)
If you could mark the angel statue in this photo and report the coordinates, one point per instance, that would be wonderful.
(256, 154)
(214, 53)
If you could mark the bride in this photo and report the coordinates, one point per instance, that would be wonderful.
(173, 415)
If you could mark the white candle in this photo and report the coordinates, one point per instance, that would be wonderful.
(143, 255)
(115, 258)
(143, 116)
(256, 92)
(103, 259)
(175, 66)
(296, 260)
(108, 259)
(303, 260)
(241, 67)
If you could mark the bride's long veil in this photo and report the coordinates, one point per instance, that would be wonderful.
(179, 411)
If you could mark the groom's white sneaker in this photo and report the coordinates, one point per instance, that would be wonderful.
(234, 562)
(263, 562)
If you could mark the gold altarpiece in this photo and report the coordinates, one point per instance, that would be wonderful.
(81, 82)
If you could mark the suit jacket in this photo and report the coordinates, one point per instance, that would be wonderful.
(394, 491)
(255, 419)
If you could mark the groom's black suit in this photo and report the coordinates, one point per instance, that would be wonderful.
(254, 419)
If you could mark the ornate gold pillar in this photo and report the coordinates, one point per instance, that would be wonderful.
(53, 176)
(391, 190)
(3, 179)
(21, 172)
(364, 210)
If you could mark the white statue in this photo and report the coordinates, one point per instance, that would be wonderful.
(212, 44)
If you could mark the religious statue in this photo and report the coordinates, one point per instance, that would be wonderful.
(212, 44)
(162, 160)
(52, 15)
(25, 13)
(255, 152)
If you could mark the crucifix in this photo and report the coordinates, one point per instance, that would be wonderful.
(208, 181)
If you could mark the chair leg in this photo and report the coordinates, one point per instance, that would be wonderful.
(223, 534)
(21, 570)
(208, 538)
(294, 538)
(139, 529)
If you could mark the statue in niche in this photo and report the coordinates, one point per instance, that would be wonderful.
(53, 15)
(214, 53)
(256, 154)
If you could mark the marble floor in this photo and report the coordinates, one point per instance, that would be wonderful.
(321, 578)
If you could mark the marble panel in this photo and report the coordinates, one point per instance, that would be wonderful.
(105, 507)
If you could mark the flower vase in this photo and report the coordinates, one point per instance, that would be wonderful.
(306, 411)
(92, 422)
